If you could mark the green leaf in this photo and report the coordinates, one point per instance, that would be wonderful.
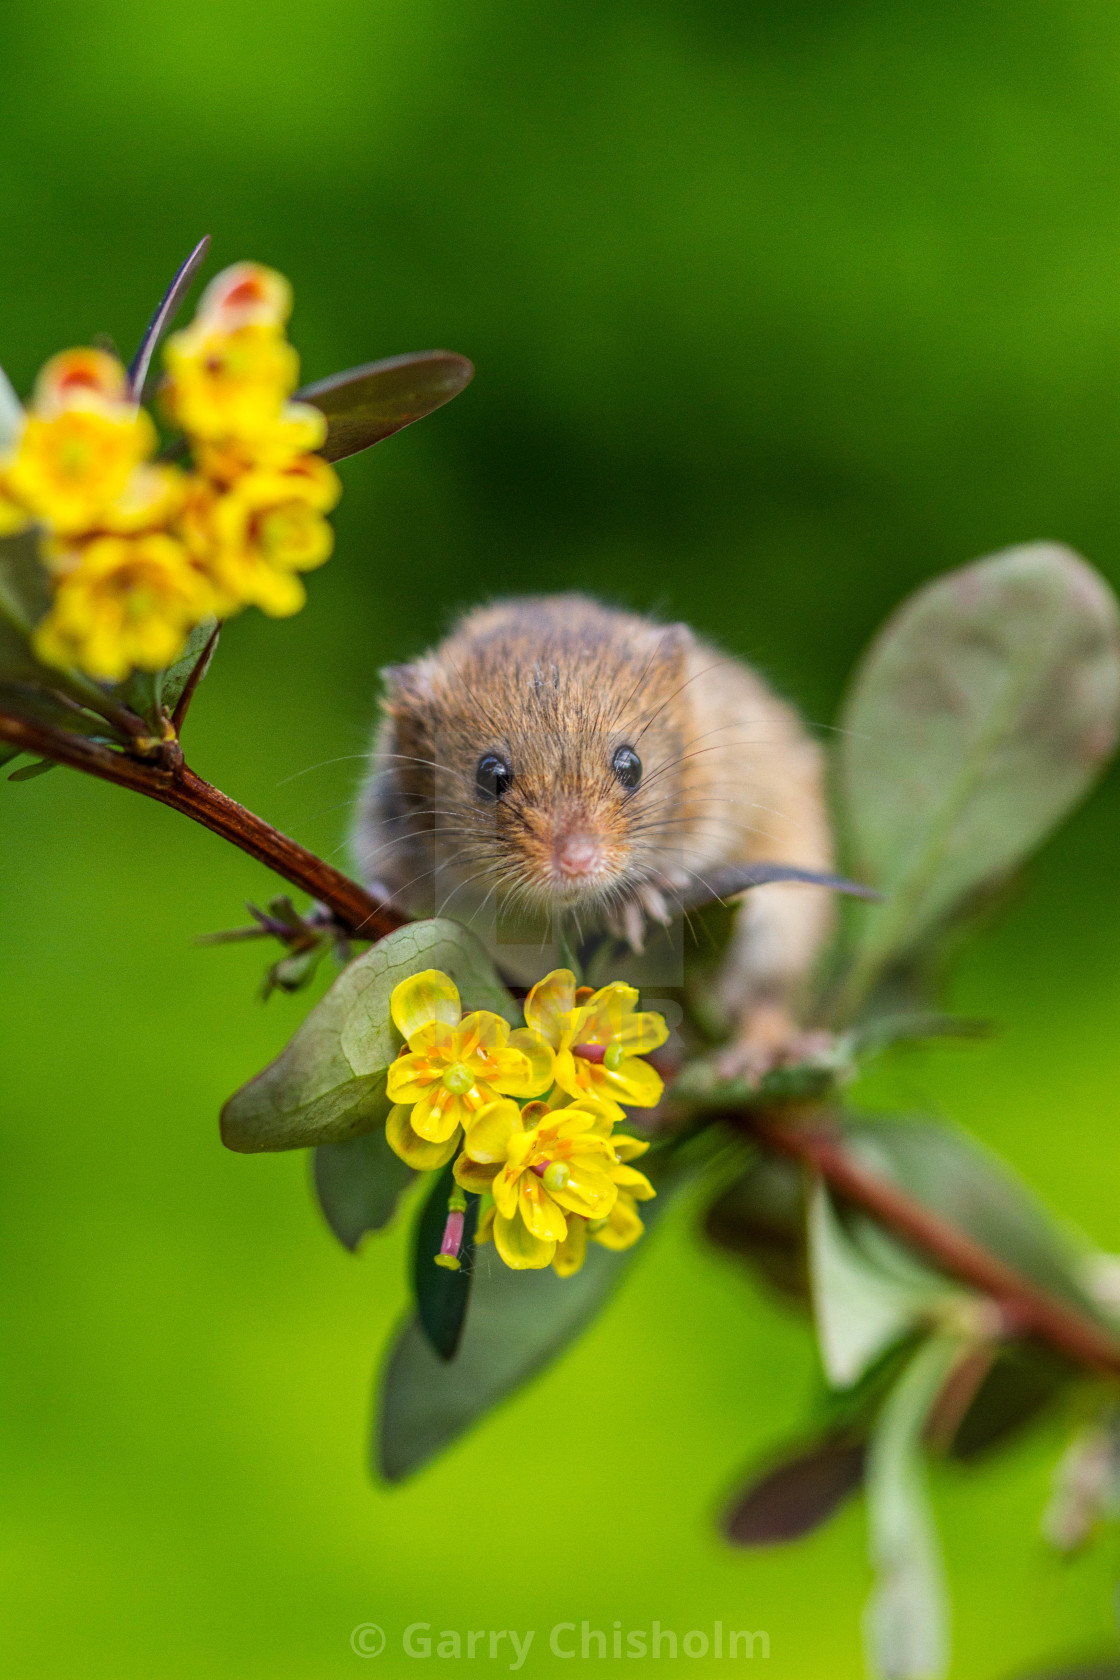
(1106, 1669)
(952, 1175)
(760, 1217)
(442, 1294)
(359, 1183)
(29, 772)
(151, 693)
(200, 649)
(27, 700)
(24, 589)
(329, 1082)
(906, 1624)
(982, 712)
(517, 1324)
(24, 599)
(796, 1495)
(11, 412)
(367, 404)
(702, 1083)
(867, 1292)
(1023, 1382)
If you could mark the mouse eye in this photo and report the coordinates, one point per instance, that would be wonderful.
(627, 766)
(493, 776)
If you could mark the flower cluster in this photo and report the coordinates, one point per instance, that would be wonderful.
(140, 551)
(528, 1115)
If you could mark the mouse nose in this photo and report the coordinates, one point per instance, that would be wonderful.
(578, 854)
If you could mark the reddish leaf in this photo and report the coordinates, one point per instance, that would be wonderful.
(364, 405)
(798, 1495)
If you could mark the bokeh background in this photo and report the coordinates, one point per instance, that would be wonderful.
(778, 307)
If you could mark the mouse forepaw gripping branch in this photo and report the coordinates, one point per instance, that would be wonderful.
(620, 932)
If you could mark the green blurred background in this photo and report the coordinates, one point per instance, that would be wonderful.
(778, 307)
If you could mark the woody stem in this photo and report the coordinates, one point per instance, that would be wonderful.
(166, 778)
(814, 1139)
(818, 1143)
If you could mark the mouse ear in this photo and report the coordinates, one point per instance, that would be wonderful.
(674, 642)
(405, 684)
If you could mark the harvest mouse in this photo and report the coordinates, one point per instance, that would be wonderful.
(584, 760)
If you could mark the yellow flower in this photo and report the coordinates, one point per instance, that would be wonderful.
(246, 294)
(298, 429)
(555, 1167)
(268, 527)
(13, 517)
(127, 603)
(80, 445)
(81, 378)
(456, 1066)
(223, 383)
(622, 1226)
(598, 1039)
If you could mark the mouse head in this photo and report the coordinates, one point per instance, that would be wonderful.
(540, 748)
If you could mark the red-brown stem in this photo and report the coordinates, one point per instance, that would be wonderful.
(957, 1395)
(817, 1143)
(813, 1140)
(169, 780)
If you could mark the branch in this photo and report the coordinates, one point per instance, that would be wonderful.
(816, 1142)
(819, 1145)
(166, 778)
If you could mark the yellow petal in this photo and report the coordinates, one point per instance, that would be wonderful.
(482, 1031)
(428, 996)
(490, 1131)
(520, 1147)
(437, 1040)
(472, 1175)
(540, 1057)
(571, 1074)
(409, 1078)
(595, 1117)
(639, 1034)
(537, 1208)
(633, 1183)
(437, 1114)
(504, 1191)
(485, 1232)
(550, 1000)
(510, 1072)
(633, 1082)
(622, 1229)
(602, 1015)
(570, 1253)
(588, 1192)
(517, 1245)
(417, 1151)
(628, 1148)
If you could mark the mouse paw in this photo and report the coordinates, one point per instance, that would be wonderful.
(771, 1039)
(627, 923)
(653, 903)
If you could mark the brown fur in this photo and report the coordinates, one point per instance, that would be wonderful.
(555, 685)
